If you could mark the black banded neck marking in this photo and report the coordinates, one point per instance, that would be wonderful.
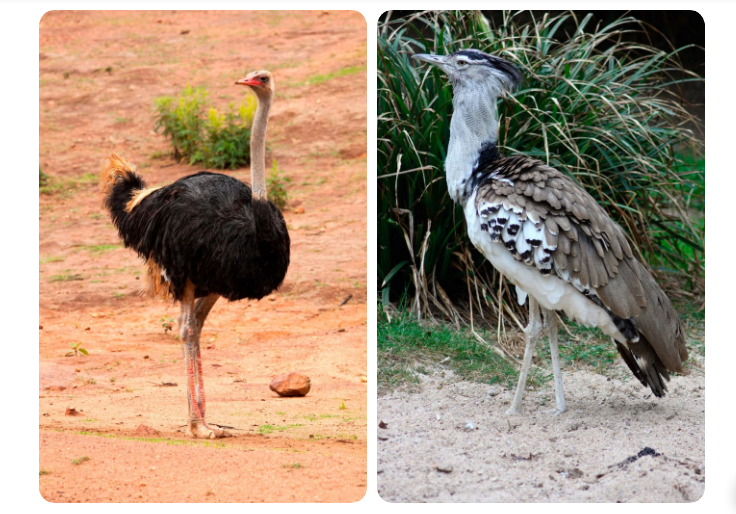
(482, 168)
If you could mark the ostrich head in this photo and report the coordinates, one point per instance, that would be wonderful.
(472, 69)
(261, 82)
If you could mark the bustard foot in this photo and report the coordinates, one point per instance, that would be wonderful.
(199, 429)
(513, 411)
(555, 412)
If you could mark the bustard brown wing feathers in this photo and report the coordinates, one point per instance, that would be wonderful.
(562, 221)
(547, 220)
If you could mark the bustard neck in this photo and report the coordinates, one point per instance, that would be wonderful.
(258, 148)
(473, 137)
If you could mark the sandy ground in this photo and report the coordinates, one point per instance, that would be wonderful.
(453, 442)
(99, 74)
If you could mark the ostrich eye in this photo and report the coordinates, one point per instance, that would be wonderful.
(264, 80)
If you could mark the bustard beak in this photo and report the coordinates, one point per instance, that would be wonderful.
(437, 60)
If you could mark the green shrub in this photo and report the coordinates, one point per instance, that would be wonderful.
(276, 186)
(218, 140)
(594, 105)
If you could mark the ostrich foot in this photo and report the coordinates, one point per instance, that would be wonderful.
(199, 429)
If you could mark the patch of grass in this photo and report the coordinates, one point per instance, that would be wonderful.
(342, 406)
(65, 188)
(101, 248)
(172, 442)
(42, 472)
(269, 429)
(587, 348)
(52, 258)
(407, 347)
(293, 465)
(276, 183)
(343, 72)
(78, 461)
(66, 277)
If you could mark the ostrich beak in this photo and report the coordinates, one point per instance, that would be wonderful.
(248, 82)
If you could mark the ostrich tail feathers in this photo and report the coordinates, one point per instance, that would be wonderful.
(119, 184)
(116, 168)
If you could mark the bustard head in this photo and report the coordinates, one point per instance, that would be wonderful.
(472, 69)
(261, 82)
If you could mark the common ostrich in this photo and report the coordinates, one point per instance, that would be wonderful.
(549, 237)
(205, 236)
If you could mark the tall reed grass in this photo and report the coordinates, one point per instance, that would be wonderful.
(603, 109)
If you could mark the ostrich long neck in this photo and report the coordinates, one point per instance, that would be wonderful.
(258, 148)
(473, 137)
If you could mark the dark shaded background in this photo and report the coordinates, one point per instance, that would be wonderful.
(668, 30)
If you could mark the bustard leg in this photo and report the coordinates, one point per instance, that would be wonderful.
(190, 328)
(550, 324)
(532, 331)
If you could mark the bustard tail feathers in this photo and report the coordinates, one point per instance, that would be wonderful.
(661, 347)
(660, 324)
(644, 364)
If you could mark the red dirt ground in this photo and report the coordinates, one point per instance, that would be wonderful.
(99, 74)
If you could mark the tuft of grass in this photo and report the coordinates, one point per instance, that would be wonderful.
(42, 472)
(80, 460)
(293, 465)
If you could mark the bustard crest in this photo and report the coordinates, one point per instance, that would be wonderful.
(471, 67)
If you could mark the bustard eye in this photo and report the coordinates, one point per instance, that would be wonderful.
(462, 63)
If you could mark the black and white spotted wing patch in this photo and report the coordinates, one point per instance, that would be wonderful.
(523, 234)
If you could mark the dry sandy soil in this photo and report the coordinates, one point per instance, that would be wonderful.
(99, 75)
(453, 442)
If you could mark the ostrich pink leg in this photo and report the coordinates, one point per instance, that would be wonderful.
(190, 326)
(202, 308)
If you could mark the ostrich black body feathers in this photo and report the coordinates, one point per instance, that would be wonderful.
(206, 228)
